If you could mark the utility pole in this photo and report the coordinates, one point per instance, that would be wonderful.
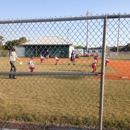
(87, 14)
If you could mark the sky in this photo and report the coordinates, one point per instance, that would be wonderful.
(31, 9)
(40, 9)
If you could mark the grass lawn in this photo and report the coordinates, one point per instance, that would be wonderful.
(66, 100)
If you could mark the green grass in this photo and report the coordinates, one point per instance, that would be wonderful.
(53, 97)
(117, 104)
(66, 100)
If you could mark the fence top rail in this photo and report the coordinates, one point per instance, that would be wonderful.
(64, 19)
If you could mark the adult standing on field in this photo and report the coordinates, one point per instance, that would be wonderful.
(12, 58)
(72, 58)
(47, 54)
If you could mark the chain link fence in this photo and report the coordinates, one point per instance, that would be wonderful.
(53, 84)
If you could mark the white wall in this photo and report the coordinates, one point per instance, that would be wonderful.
(78, 51)
(20, 51)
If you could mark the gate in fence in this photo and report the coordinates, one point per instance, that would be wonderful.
(65, 72)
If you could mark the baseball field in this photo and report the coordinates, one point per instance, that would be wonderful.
(66, 100)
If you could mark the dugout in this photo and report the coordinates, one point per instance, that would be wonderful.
(55, 45)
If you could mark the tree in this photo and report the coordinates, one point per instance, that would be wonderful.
(1, 44)
(127, 47)
(113, 48)
(9, 44)
(22, 40)
(1, 38)
(78, 47)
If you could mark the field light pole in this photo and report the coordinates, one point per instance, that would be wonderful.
(87, 14)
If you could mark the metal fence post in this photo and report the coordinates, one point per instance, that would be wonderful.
(102, 73)
(118, 35)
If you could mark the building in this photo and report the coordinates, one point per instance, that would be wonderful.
(99, 50)
(20, 51)
(54, 44)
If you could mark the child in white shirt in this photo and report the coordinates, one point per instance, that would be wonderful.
(42, 58)
(57, 59)
(106, 62)
(31, 64)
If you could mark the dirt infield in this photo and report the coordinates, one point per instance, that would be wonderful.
(123, 70)
(121, 66)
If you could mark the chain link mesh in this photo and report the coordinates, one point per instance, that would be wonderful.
(64, 92)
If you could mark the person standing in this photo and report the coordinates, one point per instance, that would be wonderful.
(94, 65)
(47, 54)
(12, 58)
(31, 64)
(106, 62)
(96, 58)
(72, 58)
(42, 58)
(57, 59)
